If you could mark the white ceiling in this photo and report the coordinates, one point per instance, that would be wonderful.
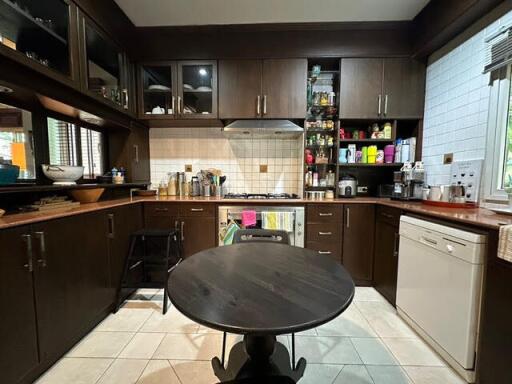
(209, 12)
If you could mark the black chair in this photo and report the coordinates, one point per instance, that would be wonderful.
(152, 256)
(254, 236)
(262, 380)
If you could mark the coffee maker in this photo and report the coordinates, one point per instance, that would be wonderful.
(409, 182)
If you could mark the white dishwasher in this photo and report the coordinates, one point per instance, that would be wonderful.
(439, 288)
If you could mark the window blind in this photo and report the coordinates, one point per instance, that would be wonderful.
(62, 143)
(92, 156)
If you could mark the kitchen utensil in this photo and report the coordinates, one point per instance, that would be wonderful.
(347, 186)
(436, 193)
(63, 174)
(85, 196)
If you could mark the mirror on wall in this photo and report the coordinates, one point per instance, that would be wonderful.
(16, 145)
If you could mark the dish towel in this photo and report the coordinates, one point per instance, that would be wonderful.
(505, 243)
(248, 218)
(227, 236)
(282, 221)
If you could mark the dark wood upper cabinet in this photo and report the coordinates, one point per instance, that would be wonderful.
(403, 88)
(197, 89)
(358, 233)
(361, 88)
(385, 266)
(240, 88)
(104, 66)
(273, 88)
(381, 88)
(284, 88)
(49, 46)
(157, 90)
(18, 329)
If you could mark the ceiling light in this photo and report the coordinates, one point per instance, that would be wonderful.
(203, 72)
(4, 89)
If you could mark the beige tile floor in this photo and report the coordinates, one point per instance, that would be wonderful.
(368, 344)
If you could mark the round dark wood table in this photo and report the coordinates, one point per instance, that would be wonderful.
(260, 290)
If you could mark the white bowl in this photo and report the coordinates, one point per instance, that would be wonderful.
(62, 174)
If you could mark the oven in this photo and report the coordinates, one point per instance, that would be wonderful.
(233, 214)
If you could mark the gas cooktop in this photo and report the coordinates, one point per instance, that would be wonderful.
(261, 196)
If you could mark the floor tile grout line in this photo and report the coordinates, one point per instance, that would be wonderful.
(174, 370)
(105, 371)
(159, 344)
(142, 372)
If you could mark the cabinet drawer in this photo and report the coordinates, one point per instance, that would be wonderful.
(321, 213)
(389, 215)
(161, 209)
(330, 249)
(324, 232)
(191, 210)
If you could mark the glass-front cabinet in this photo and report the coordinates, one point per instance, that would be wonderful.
(182, 90)
(105, 67)
(197, 89)
(41, 34)
(158, 87)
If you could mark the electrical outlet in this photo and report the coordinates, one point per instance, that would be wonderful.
(263, 168)
(448, 158)
(188, 167)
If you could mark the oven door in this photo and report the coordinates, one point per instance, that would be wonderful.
(230, 219)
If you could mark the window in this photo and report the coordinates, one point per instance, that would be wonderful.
(72, 145)
(16, 140)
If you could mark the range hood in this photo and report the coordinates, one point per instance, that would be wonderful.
(263, 129)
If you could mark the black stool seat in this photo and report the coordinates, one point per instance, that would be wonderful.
(153, 255)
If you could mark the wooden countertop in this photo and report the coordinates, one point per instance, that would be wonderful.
(478, 217)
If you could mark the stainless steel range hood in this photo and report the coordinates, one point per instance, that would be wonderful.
(262, 129)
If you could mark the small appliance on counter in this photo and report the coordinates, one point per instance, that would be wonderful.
(347, 186)
(409, 182)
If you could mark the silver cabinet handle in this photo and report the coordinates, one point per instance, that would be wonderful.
(324, 252)
(387, 215)
(325, 214)
(176, 225)
(385, 105)
(42, 248)
(179, 104)
(196, 209)
(325, 233)
(173, 105)
(28, 244)
(136, 149)
(111, 224)
(182, 230)
(264, 104)
(258, 105)
(125, 93)
(348, 217)
(380, 104)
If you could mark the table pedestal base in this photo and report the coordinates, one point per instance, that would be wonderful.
(258, 356)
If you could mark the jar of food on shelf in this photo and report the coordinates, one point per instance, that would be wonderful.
(387, 130)
(324, 98)
(331, 98)
(330, 141)
(331, 178)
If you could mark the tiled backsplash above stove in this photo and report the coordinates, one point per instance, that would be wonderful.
(240, 159)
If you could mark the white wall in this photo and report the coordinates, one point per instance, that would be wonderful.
(457, 105)
(239, 159)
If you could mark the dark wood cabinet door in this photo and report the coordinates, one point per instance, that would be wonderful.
(361, 88)
(198, 233)
(18, 333)
(404, 88)
(240, 89)
(385, 265)
(138, 149)
(122, 222)
(358, 234)
(284, 88)
(71, 279)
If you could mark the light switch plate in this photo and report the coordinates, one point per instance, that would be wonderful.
(188, 167)
(263, 168)
(448, 158)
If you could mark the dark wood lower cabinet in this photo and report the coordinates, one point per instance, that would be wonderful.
(358, 234)
(385, 267)
(198, 234)
(71, 279)
(18, 327)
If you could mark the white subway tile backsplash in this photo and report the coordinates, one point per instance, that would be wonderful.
(239, 159)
